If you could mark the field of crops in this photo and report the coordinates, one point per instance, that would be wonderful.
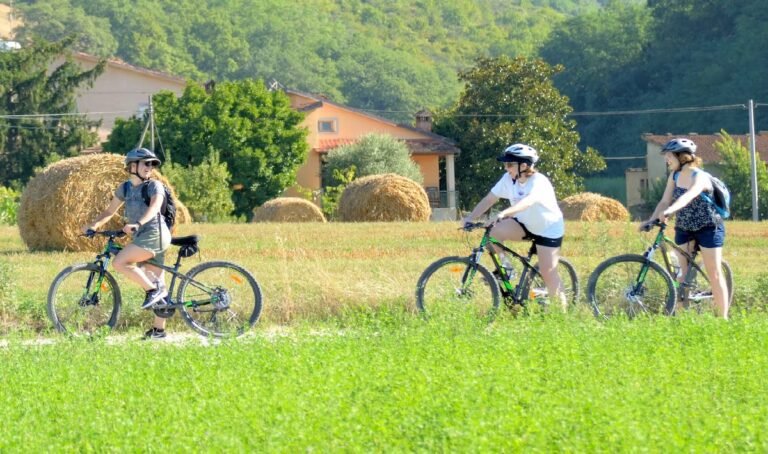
(341, 362)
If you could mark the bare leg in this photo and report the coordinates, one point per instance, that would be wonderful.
(507, 230)
(125, 263)
(156, 274)
(713, 260)
(548, 260)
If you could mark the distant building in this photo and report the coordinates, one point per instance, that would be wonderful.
(332, 125)
(638, 179)
(121, 91)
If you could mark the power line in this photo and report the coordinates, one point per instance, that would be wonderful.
(669, 110)
(477, 115)
(64, 114)
(589, 113)
(623, 157)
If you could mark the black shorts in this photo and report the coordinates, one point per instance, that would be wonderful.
(538, 239)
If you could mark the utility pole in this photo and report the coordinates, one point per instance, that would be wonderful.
(151, 125)
(753, 160)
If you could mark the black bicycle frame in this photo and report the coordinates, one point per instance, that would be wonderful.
(112, 248)
(508, 288)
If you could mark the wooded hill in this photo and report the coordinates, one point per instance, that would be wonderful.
(393, 57)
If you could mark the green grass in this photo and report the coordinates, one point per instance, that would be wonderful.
(340, 362)
(387, 381)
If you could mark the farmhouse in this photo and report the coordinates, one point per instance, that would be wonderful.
(331, 125)
(121, 91)
(641, 179)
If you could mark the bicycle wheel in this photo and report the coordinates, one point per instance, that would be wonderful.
(696, 292)
(618, 287)
(78, 304)
(452, 284)
(536, 289)
(219, 299)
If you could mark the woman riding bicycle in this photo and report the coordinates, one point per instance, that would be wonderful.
(533, 213)
(696, 219)
(151, 236)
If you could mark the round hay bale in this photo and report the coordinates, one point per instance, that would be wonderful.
(70, 193)
(589, 206)
(288, 209)
(183, 215)
(386, 197)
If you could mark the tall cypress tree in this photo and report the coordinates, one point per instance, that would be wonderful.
(35, 128)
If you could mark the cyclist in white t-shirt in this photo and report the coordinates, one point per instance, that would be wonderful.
(533, 213)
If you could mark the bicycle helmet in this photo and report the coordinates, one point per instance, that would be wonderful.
(519, 153)
(140, 154)
(679, 146)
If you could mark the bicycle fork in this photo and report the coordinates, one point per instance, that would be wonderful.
(91, 298)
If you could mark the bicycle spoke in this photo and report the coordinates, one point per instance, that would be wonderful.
(614, 288)
(227, 299)
(78, 304)
(450, 285)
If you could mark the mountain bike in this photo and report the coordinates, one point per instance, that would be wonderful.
(635, 284)
(217, 299)
(467, 282)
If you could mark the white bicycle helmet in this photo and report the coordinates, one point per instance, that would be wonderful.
(679, 145)
(519, 153)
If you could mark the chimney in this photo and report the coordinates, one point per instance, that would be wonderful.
(424, 120)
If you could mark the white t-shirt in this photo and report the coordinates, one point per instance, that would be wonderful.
(544, 217)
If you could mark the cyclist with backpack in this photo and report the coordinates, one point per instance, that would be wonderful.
(533, 213)
(151, 235)
(689, 196)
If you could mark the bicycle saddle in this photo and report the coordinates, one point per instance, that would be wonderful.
(190, 240)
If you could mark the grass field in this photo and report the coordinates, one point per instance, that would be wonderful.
(340, 362)
(388, 382)
(313, 272)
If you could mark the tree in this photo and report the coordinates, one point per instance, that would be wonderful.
(737, 174)
(54, 20)
(253, 130)
(37, 121)
(373, 154)
(508, 101)
(204, 189)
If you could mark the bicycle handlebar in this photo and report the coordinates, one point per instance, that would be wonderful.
(655, 223)
(110, 233)
(470, 226)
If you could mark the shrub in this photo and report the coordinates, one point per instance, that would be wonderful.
(737, 174)
(9, 205)
(204, 189)
(332, 194)
(373, 154)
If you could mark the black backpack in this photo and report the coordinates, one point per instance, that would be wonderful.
(167, 211)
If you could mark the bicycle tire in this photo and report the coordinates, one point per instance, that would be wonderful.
(696, 291)
(611, 288)
(444, 283)
(230, 303)
(74, 309)
(536, 290)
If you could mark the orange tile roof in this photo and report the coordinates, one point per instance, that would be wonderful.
(325, 145)
(416, 146)
(705, 143)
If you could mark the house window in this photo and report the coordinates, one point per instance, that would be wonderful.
(327, 125)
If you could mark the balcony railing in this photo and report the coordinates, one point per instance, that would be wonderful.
(442, 199)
